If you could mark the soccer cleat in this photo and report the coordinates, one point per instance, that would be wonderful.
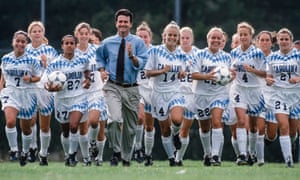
(139, 156)
(215, 161)
(176, 141)
(93, 149)
(72, 160)
(87, 162)
(289, 162)
(116, 157)
(23, 159)
(13, 155)
(251, 159)
(43, 160)
(148, 160)
(172, 162)
(98, 162)
(241, 160)
(32, 154)
(179, 163)
(260, 163)
(207, 160)
(125, 163)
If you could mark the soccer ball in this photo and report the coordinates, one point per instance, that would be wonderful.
(57, 78)
(222, 74)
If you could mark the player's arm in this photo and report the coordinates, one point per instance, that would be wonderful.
(152, 73)
(2, 82)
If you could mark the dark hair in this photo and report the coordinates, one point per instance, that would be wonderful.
(22, 33)
(297, 42)
(68, 36)
(124, 12)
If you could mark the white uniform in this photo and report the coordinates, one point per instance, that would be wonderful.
(246, 90)
(187, 85)
(45, 98)
(73, 97)
(95, 94)
(209, 94)
(18, 93)
(166, 87)
(282, 67)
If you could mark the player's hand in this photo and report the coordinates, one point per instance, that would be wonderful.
(233, 74)
(181, 74)
(104, 75)
(294, 80)
(87, 83)
(269, 80)
(49, 87)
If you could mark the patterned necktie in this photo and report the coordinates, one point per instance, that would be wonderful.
(120, 63)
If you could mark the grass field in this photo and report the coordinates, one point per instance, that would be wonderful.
(160, 170)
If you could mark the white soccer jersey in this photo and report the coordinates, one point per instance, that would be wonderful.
(96, 80)
(14, 68)
(159, 57)
(74, 71)
(205, 62)
(43, 49)
(283, 67)
(252, 56)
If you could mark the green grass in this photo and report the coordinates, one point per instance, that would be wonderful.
(160, 170)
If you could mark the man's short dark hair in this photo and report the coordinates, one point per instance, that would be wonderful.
(124, 12)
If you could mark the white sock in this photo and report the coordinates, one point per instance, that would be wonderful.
(65, 142)
(12, 134)
(235, 146)
(92, 133)
(74, 139)
(184, 144)
(206, 142)
(149, 141)
(168, 146)
(217, 140)
(26, 140)
(45, 139)
(33, 143)
(252, 142)
(260, 148)
(139, 137)
(241, 135)
(100, 146)
(285, 144)
(84, 145)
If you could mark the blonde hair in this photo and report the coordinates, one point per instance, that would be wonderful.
(81, 26)
(286, 31)
(247, 26)
(174, 25)
(35, 23)
(144, 27)
(214, 29)
(189, 30)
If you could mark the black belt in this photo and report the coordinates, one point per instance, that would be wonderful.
(125, 85)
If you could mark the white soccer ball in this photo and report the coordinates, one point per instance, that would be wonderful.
(223, 75)
(57, 78)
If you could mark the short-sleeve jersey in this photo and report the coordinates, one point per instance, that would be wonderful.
(90, 54)
(253, 57)
(283, 67)
(205, 62)
(159, 57)
(14, 68)
(74, 70)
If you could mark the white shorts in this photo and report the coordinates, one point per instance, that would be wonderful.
(45, 101)
(285, 102)
(24, 100)
(162, 103)
(96, 102)
(66, 105)
(250, 99)
(203, 104)
(229, 115)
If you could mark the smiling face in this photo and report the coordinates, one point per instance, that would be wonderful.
(123, 25)
(68, 46)
(145, 36)
(186, 40)
(83, 35)
(214, 40)
(171, 38)
(264, 42)
(19, 43)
